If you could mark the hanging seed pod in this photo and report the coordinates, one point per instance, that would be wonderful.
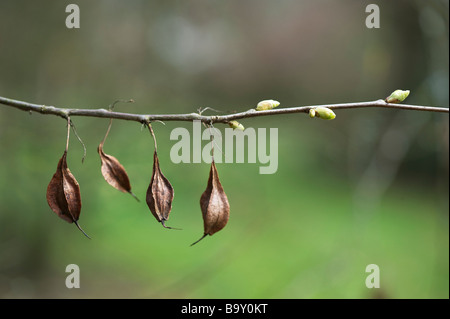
(159, 194)
(114, 172)
(214, 205)
(63, 192)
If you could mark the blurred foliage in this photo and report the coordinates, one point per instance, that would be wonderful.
(369, 187)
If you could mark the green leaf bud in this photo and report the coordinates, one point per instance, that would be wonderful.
(236, 125)
(397, 96)
(267, 105)
(323, 112)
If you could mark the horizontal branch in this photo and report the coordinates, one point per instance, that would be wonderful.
(146, 118)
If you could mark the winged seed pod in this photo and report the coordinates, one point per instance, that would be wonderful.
(63, 194)
(267, 105)
(214, 205)
(159, 194)
(397, 96)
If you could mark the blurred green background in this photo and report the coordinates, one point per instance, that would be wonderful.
(370, 187)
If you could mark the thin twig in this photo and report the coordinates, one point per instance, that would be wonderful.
(153, 136)
(79, 140)
(146, 118)
(68, 134)
(110, 120)
(107, 132)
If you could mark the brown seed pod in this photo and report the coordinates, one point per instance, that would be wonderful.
(159, 194)
(114, 172)
(214, 205)
(63, 194)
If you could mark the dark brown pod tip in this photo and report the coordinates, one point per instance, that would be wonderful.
(159, 194)
(114, 172)
(63, 194)
(214, 205)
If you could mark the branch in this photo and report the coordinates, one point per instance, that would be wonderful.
(147, 118)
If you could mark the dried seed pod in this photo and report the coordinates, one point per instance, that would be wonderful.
(214, 205)
(63, 194)
(114, 172)
(159, 194)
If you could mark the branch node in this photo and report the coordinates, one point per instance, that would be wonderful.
(65, 114)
